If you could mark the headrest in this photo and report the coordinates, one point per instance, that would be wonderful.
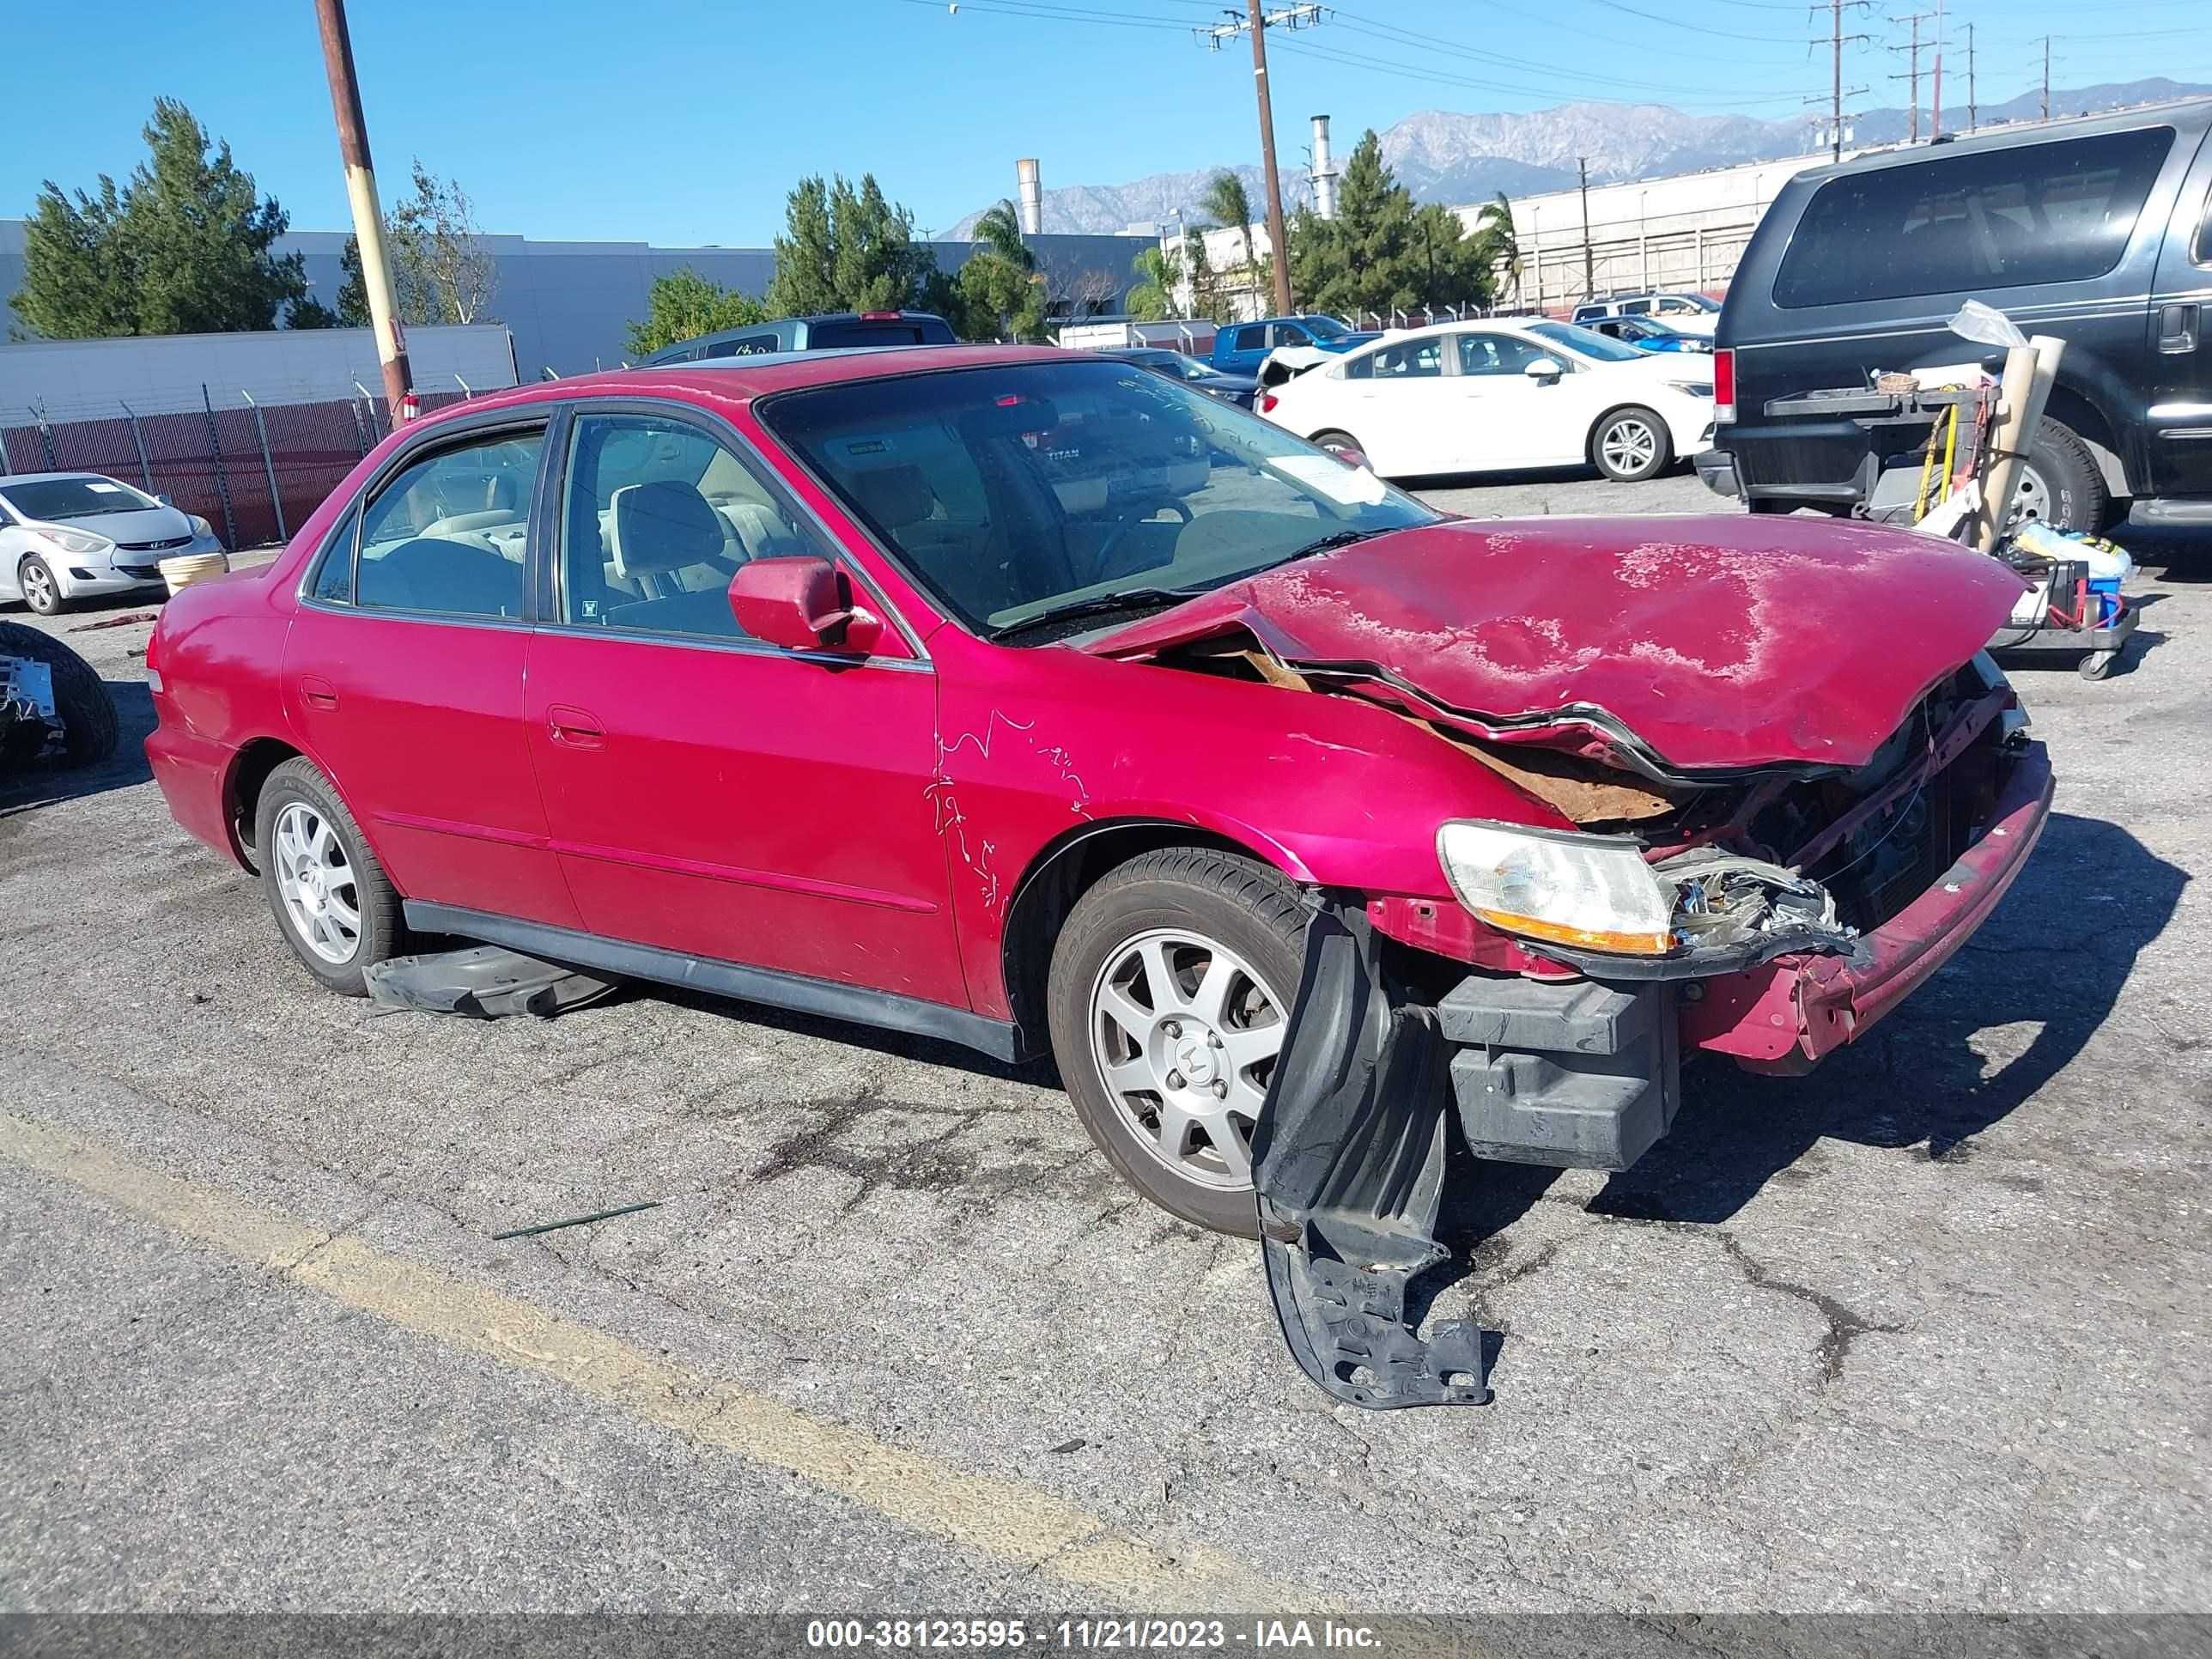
(665, 525)
(894, 496)
(489, 517)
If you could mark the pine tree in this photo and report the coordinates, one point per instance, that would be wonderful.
(184, 248)
(806, 281)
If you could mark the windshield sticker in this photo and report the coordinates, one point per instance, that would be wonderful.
(1348, 486)
(104, 489)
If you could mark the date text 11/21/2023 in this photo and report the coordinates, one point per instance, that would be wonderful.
(1087, 1635)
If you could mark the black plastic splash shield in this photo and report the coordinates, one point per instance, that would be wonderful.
(481, 982)
(1348, 1168)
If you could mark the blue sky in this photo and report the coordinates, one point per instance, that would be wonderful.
(683, 123)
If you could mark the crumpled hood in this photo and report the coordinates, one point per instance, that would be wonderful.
(1689, 644)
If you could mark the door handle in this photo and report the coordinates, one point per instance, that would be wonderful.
(317, 692)
(2177, 328)
(575, 728)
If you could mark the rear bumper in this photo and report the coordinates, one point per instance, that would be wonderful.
(190, 773)
(1717, 471)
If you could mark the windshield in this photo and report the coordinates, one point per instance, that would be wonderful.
(1023, 487)
(1325, 328)
(1586, 342)
(51, 499)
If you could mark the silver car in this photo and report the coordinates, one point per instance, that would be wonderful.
(68, 536)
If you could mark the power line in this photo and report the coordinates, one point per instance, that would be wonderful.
(1379, 66)
(1836, 38)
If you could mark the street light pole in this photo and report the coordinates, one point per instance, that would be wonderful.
(368, 215)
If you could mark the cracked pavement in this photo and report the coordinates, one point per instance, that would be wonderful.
(1926, 1330)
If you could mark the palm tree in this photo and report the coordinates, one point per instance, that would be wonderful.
(1225, 201)
(1000, 232)
(1496, 237)
(1152, 299)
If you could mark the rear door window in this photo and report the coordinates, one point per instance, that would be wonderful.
(1253, 337)
(2059, 212)
(448, 535)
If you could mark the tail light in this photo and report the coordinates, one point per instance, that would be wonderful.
(1724, 385)
(1268, 402)
(879, 316)
(153, 659)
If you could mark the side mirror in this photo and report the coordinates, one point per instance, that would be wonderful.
(801, 604)
(1545, 368)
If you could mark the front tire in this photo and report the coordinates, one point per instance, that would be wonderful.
(331, 899)
(1631, 445)
(1170, 997)
(41, 590)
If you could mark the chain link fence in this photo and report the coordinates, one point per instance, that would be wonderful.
(253, 472)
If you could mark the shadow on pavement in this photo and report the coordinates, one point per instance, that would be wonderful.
(2055, 956)
(49, 784)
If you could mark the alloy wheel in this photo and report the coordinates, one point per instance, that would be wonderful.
(1185, 1035)
(316, 879)
(1628, 445)
(39, 592)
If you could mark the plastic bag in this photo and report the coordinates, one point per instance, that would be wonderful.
(1987, 325)
(2106, 560)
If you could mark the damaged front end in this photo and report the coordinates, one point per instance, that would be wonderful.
(1771, 916)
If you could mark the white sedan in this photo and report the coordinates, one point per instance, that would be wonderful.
(68, 536)
(1492, 396)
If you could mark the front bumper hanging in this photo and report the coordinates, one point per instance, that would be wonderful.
(1348, 1164)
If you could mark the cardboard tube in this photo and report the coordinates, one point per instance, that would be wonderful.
(2029, 373)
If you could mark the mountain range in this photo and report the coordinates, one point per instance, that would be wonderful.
(1459, 159)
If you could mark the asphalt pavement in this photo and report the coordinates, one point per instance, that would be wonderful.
(1926, 1330)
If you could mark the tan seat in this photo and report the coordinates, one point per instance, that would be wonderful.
(659, 529)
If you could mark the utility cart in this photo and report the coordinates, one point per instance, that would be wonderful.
(2073, 604)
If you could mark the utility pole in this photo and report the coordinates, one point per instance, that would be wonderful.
(368, 215)
(1589, 277)
(1974, 109)
(2046, 77)
(1913, 73)
(1836, 42)
(1936, 115)
(1256, 23)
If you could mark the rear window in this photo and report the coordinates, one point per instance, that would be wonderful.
(2058, 212)
(907, 331)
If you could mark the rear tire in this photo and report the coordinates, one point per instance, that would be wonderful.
(317, 871)
(1189, 1056)
(1631, 445)
(1335, 442)
(87, 713)
(2067, 490)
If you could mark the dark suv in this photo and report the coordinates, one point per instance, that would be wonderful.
(2095, 231)
(844, 328)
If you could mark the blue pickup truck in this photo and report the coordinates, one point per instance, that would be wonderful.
(1239, 348)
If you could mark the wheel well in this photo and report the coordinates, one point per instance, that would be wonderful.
(241, 790)
(1062, 875)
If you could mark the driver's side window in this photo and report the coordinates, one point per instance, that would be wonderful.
(657, 515)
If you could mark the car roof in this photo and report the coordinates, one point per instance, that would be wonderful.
(2196, 113)
(740, 379)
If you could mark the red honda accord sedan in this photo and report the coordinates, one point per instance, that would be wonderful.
(1035, 701)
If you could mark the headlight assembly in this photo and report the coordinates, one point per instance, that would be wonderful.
(76, 541)
(1561, 886)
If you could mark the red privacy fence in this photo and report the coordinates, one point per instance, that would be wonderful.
(254, 475)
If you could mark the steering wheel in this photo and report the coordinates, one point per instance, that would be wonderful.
(1102, 562)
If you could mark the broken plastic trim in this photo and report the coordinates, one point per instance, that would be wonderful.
(481, 982)
(1348, 1164)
